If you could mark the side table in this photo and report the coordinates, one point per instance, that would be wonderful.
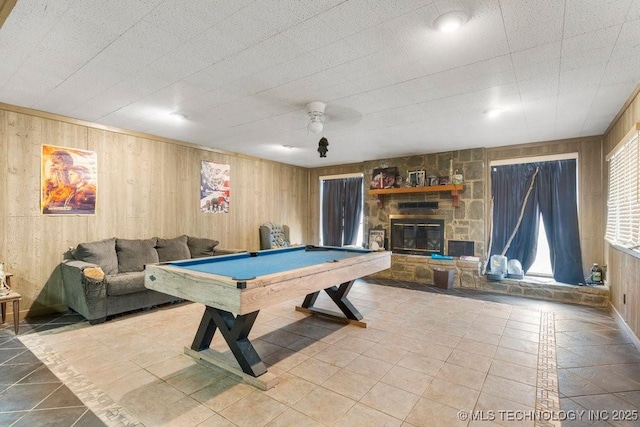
(14, 297)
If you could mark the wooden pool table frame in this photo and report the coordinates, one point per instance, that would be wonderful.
(223, 296)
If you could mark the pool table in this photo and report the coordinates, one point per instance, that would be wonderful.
(234, 288)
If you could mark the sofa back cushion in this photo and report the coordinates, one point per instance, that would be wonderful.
(173, 249)
(134, 254)
(201, 247)
(101, 252)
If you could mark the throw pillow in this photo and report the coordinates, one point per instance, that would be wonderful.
(134, 254)
(200, 247)
(173, 249)
(101, 252)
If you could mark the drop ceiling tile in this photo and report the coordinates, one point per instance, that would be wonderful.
(534, 55)
(61, 61)
(621, 70)
(312, 33)
(26, 89)
(583, 16)
(177, 18)
(542, 70)
(252, 25)
(589, 48)
(142, 44)
(634, 10)
(65, 98)
(389, 9)
(539, 113)
(627, 45)
(351, 17)
(213, 46)
(80, 27)
(31, 21)
(532, 23)
(577, 80)
(535, 89)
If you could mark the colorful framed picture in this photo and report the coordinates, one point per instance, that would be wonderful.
(69, 181)
(384, 178)
(214, 187)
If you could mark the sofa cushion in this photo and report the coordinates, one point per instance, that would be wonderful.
(125, 283)
(201, 247)
(101, 252)
(173, 249)
(134, 254)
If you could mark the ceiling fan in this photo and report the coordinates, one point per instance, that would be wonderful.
(315, 111)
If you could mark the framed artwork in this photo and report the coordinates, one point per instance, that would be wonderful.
(416, 179)
(214, 187)
(376, 240)
(69, 181)
(384, 178)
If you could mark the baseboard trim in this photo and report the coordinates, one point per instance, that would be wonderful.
(623, 325)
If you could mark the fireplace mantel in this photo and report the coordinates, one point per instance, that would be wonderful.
(455, 190)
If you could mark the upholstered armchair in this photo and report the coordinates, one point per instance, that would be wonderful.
(273, 236)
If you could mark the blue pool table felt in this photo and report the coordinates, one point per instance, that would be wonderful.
(247, 265)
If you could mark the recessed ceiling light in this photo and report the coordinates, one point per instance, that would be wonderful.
(493, 112)
(288, 147)
(450, 21)
(178, 116)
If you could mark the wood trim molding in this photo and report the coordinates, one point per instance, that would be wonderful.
(624, 107)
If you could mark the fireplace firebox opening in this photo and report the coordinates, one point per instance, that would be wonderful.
(417, 234)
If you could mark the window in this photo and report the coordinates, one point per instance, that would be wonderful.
(543, 233)
(542, 264)
(341, 210)
(623, 203)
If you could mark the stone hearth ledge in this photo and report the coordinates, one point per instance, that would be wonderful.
(419, 269)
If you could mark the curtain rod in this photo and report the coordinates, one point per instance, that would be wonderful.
(341, 176)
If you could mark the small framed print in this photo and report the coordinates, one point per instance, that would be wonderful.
(416, 179)
(443, 180)
(376, 240)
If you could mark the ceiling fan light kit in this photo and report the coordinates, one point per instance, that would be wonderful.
(315, 111)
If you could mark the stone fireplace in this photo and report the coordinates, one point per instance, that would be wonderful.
(416, 234)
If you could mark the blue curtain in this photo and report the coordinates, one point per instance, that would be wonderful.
(341, 211)
(554, 197)
(352, 209)
(558, 201)
(509, 185)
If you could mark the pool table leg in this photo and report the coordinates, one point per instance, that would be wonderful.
(235, 330)
(339, 296)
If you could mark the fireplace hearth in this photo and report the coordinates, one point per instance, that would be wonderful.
(417, 234)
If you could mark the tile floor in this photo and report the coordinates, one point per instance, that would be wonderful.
(428, 357)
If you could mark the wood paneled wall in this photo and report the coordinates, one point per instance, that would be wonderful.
(623, 267)
(147, 187)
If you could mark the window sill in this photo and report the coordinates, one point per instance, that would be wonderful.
(632, 252)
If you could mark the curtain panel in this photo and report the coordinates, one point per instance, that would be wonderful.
(341, 210)
(554, 199)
